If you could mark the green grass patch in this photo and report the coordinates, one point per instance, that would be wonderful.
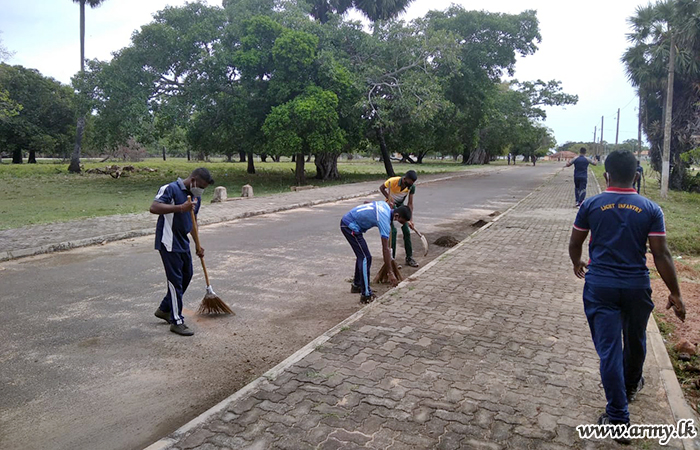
(44, 193)
(681, 210)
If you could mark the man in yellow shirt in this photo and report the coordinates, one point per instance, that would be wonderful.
(397, 190)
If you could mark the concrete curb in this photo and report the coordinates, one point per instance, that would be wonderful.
(111, 237)
(177, 435)
(676, 400)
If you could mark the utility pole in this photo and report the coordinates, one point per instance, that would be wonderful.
(617, 131)
(602, 122)
(595, 134)
(639, 129)
(668, 115)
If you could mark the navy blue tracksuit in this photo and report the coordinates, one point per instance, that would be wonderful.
(617, 294)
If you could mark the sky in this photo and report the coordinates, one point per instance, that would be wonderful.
(581, 47)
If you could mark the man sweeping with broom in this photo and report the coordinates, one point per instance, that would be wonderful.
(353, 226)
(174, 223)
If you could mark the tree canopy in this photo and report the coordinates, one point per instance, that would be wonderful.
(297, 78)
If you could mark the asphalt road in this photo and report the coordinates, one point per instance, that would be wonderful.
(86, 365)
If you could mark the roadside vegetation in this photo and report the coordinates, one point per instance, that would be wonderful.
(46, 192)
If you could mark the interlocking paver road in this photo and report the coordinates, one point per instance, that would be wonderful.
(486, 348)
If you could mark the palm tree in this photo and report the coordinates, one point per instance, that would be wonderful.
(374, 10)
(663, 64)
(75, 157)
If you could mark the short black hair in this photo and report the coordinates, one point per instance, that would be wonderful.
(202, 174)
(411, 175)
(621, 166)
(582, 150)
(404, 212)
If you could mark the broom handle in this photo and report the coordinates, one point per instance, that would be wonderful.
(195, 236)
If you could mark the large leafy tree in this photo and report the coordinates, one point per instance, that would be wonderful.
(306, 125)
(44, 123)
(75, 158)
(662, 63)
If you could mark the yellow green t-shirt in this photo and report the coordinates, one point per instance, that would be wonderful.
(397, 193)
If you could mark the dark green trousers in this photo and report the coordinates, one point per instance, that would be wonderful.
(406, 240)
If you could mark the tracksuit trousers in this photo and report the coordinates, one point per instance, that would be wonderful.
(580, 184)
(178, 271)
(406, 240)
(363, 260)
(618, 320)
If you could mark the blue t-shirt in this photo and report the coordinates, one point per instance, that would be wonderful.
(362, 218)
(580, 167)
(620, 220)
(172, 229)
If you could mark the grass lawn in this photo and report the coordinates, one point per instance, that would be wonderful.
(46, 192)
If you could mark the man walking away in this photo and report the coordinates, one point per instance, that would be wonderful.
(174, 223)
(580, 164)
(396, 190)
(640, 177)
(353, 226)
(617, 293)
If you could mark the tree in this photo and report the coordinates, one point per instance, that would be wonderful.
(374, 10)
(44, 121)
(306, 125)
(662, 64)
(75, 158)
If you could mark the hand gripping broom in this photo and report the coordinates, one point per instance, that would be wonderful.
(211, 304)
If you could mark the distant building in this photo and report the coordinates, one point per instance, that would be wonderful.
(565, 156)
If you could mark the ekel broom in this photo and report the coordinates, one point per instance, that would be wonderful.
(211, 303)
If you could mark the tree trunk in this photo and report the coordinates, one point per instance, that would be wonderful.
(668, 115)
(188, 154)
(241, 155)
(405, 157)
(478, 156)
(32, 157)
(74, 166)
(308, 158)
(263, 157)
(164, 153)
(299, 172)
(294, 158)
(276, 158)
(420, 157)
(17, 156)
(251, 163)
(385, 153)
(326, 166)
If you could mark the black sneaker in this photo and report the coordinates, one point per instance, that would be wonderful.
(181, 329)
(366, 299)
(411, 262)
(162, 315)
(355, 289)
(632, 393)
(605, 420)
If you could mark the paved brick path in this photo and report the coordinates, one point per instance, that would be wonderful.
(485, 348)
(37, 239)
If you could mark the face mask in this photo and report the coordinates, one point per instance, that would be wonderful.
(196, 192)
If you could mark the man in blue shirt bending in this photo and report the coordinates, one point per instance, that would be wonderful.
(353, 226)
(580, 164)
(174, 223)
(617, 293)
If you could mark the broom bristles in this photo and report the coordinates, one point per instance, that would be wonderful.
(212, 304)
